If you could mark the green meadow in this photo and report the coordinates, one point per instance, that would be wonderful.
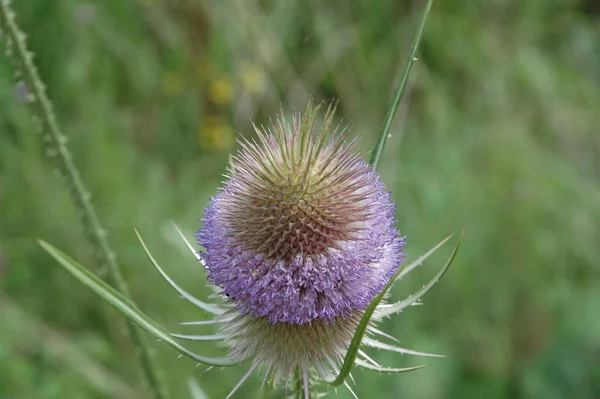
(498, 133)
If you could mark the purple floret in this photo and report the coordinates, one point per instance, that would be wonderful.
(303, 230)
(321, 286)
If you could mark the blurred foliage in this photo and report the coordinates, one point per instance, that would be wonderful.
(500, 134)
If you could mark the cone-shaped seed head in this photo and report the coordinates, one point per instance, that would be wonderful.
(303, 229)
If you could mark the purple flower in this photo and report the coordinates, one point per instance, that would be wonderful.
(303, 230)
(302, 242)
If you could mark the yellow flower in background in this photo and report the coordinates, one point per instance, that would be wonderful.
(172, 83)
(215, 134)
(253, 78)
(220, 92)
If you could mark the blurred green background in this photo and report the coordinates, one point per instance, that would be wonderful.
(499, 133)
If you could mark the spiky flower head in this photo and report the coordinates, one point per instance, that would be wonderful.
(303, 230)
(300, 240)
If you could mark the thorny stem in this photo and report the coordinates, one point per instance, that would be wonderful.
(57, 142)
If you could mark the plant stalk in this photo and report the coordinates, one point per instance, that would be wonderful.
(56, 141)
(399, 93)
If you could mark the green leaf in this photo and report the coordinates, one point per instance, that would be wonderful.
(126, 307)
(350, 358)
(398, 95)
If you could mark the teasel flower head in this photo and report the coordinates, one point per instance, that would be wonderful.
(303, 231)
(302, 245)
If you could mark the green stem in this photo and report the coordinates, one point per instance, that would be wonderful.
(395, 104)
(57, 142)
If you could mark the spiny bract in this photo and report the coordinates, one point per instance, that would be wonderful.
(300, 240)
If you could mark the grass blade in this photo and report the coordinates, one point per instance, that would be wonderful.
(127, 308)
(395, 104)
(31, 332)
